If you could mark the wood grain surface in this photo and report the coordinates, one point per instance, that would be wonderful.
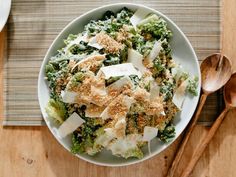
(33, 152)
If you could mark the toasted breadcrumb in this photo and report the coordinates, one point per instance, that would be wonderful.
(94, 110)
(110, 45)
(91, 63)
(122, 35)
(117, 108)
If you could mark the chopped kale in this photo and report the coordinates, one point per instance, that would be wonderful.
(155, 26)
(158, 67)
(124, 54)
(109, 25)
(192, 86)
(134, 79)
(167, 134)
(55, 71)
(112, 80)
(76, 80)
(112, 59)
(167, 90)
(81, 48)
(107, 15)
(77, 146)
(70, 38)
(166, 46)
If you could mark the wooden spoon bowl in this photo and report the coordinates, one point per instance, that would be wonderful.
(216, 71)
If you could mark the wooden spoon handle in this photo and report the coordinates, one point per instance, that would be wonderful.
(188, 131)
(200, 149)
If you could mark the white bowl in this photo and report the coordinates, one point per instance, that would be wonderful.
(182, 52)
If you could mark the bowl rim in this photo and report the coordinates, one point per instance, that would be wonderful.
(92, 11)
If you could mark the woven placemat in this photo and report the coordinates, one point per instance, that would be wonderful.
(33, 24)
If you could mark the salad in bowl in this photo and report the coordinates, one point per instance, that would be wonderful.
(116, 86)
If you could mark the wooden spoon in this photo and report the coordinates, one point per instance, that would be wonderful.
(215, 72)
(230, 102)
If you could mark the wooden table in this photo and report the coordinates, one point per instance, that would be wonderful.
(33, 152)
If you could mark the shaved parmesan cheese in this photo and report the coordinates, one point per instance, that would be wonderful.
(155, 51)
(149, 133)
(148, 19)
(138, 16)
(98, 91)
(120, 123)
(124, 69)
(93, 43)
(120, 83)
(118, 131)
(96, 57)
(90, 61)
(163, 113)
(154, 90)
(105, 138)
(68, 96)
(85, 37)
(141, 94)
(98, 96)
(104, 115)
(177, 73)
(136, 59)
(122, 145)
(70, 125)
(120, 127)
(93, 110)
(92, 114)
(179, 95)
(128, 101)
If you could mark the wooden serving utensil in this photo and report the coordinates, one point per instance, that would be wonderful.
(215, 72)
(230, 102)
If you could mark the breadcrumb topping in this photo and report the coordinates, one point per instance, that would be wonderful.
(91, 63)
(110, 45)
